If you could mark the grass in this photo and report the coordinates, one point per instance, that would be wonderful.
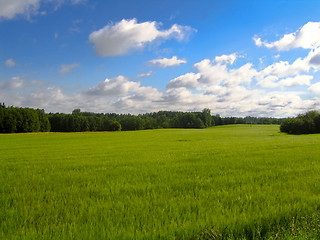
(228, 182)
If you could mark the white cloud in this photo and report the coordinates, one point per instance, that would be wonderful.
(285, 74)
(241, 75)
(146, 94)
(189, 80)
(216, 90)
(10, 62)
(296, 81)
(284, 69)
(65, 68)
(274, 82)
(50, 97)
(19, 82)
(211, 73)
(227, 59)
(120, 38)
(284, 104)
(118, 86)
(11, 8)
(14, 83)
(121, 95)
(217, 72)
(142, 75)
(167, 62)
(182, 96)
(308, 37)
(315, 88)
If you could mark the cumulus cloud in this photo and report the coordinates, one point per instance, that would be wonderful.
(217, 72)
(308, 37)
(241, 75)
(10, 62)
(118, 86)
(219, 86)
(315, 88)
(167, 62)
(284, 104)
(121, 95)
(285, 74)
(228, 59)
(65, 68)
(229, 91)
(211, 72)
(216, 81)
(146, 94)
(285, 69)
(120, 38)
(274, 82)
(296, 81)
(188, 80)
(52, 96)
(313, 59)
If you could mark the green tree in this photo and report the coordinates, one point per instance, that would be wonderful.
(115, 126)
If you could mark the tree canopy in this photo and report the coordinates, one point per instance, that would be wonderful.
(16, 120)
(20, 120)
(302, 124)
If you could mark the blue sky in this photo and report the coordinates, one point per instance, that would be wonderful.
(238, 58)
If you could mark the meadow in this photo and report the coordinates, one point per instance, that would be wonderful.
(235, 181)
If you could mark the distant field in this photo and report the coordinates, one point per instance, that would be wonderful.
(156, 184)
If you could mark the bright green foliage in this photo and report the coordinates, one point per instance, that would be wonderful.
(239, 182)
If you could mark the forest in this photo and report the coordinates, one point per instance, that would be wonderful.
(306, 123)
(17, 120)
(20, 120)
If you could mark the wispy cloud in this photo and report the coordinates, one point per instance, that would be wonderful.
(65, 68)
(142, 75)
(10, 62)
(9, 9)
(19, 82)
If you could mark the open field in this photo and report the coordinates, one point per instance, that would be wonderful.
(156, 184)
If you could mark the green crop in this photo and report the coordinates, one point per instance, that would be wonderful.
(235, 182)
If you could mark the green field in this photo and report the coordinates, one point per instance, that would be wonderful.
(240, 181)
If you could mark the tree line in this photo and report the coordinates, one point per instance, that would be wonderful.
(14, 120)
(306, 123)
(86, 121)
